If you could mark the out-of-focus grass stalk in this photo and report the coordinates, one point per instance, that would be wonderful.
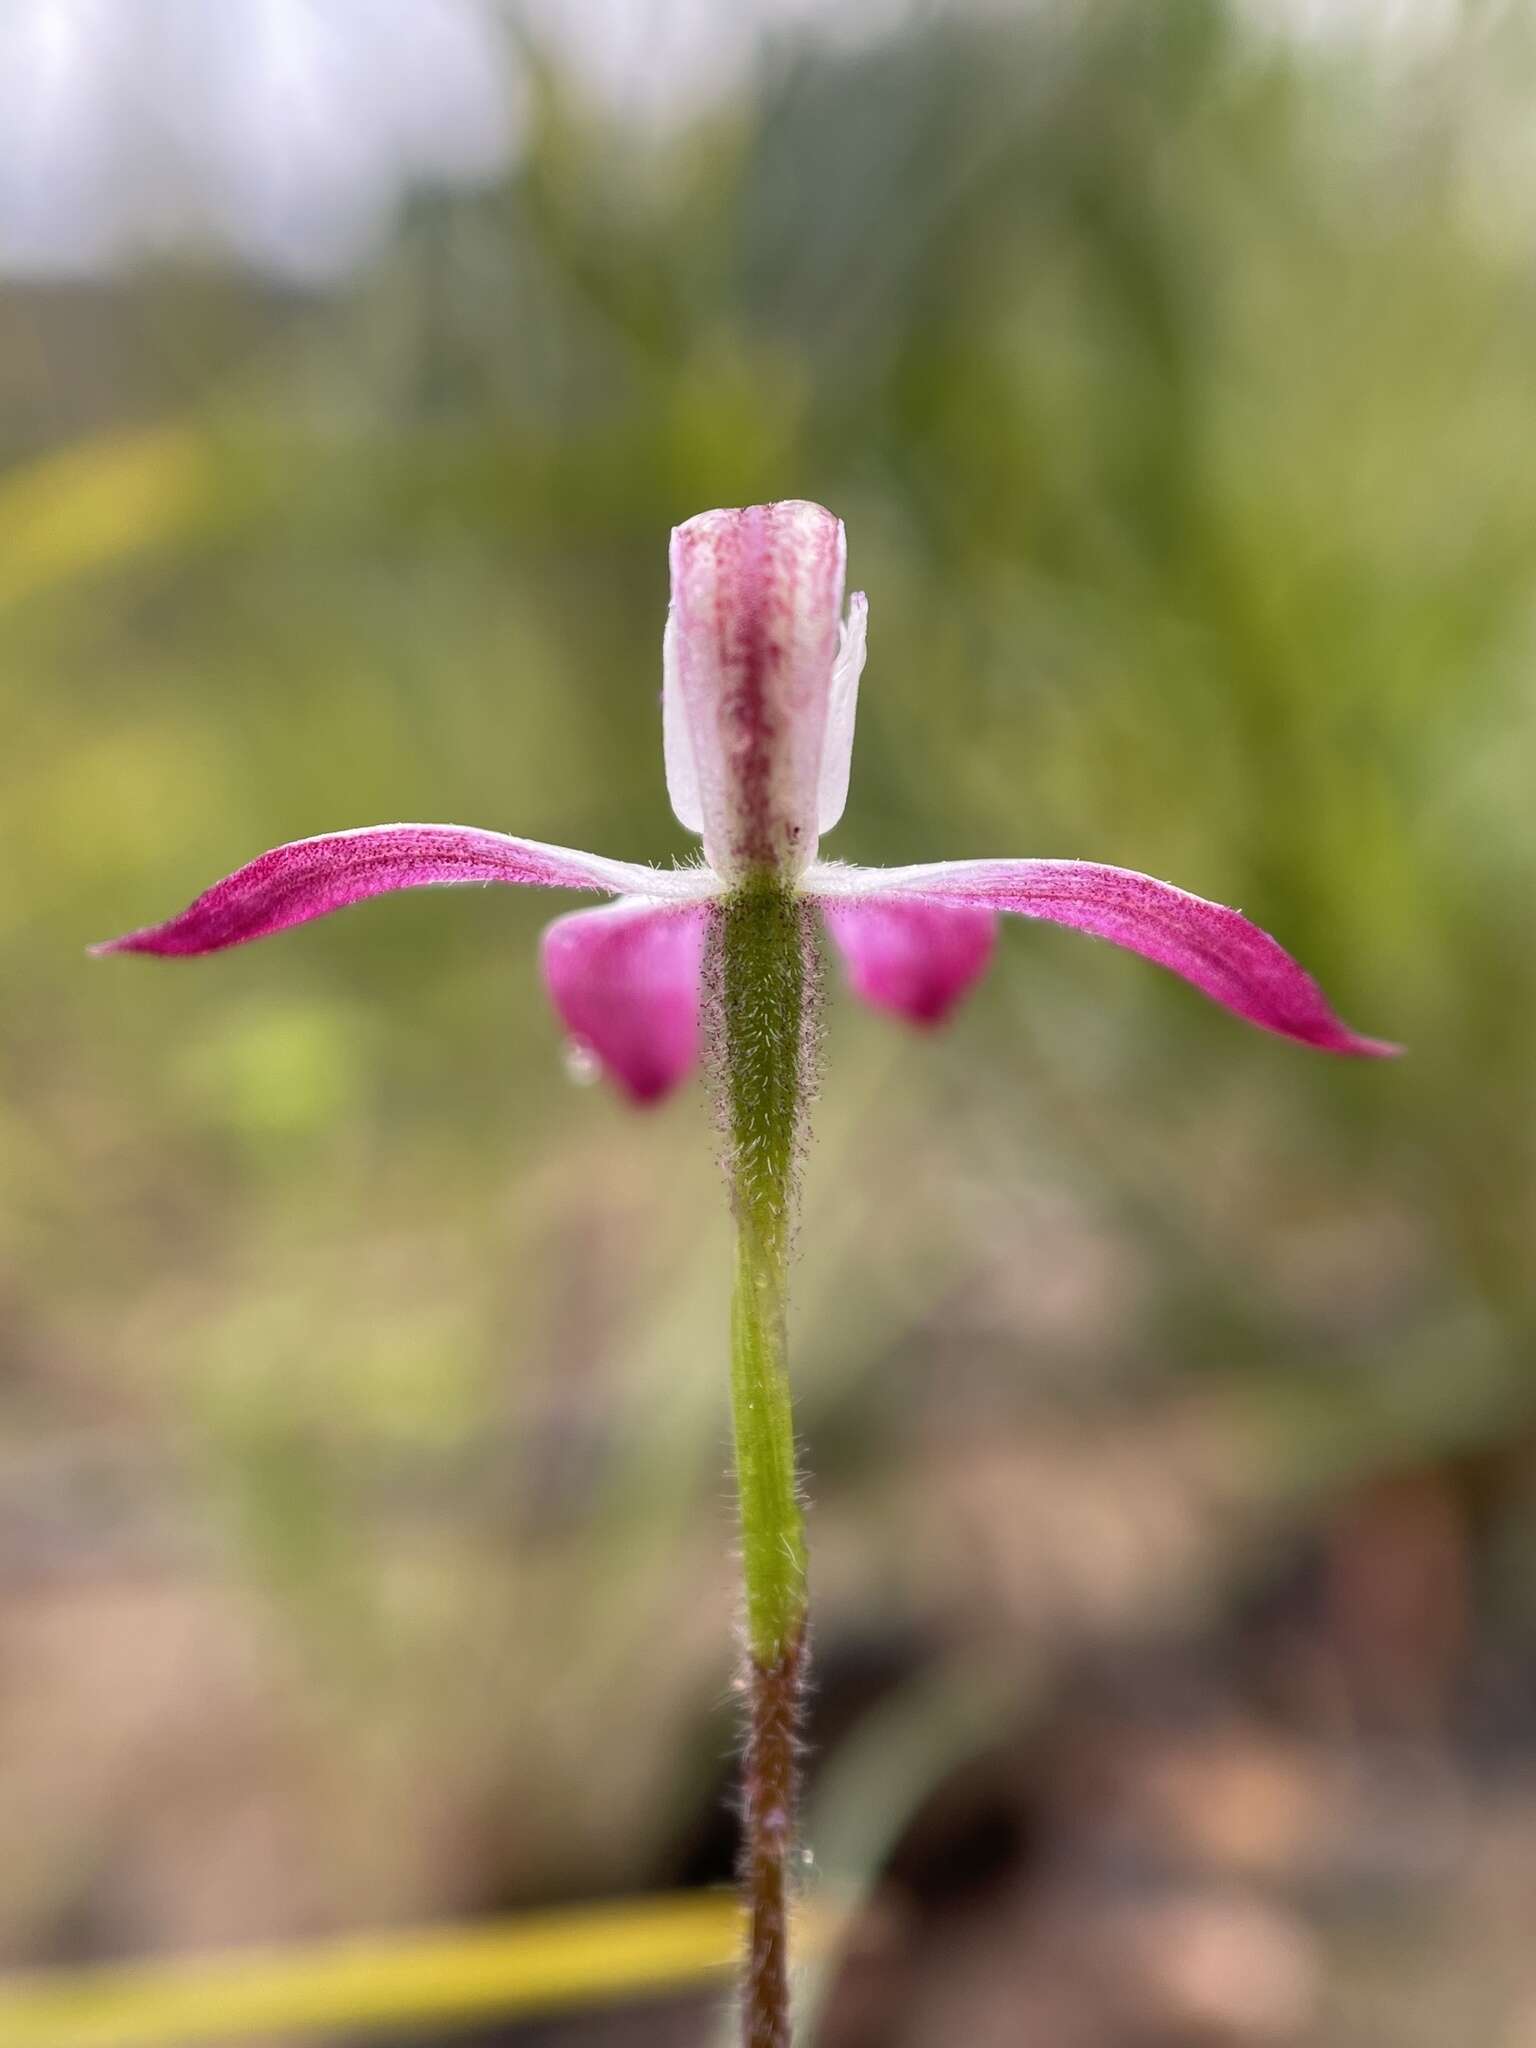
(543, 1963)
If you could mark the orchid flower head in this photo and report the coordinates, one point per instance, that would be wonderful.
(761, 672)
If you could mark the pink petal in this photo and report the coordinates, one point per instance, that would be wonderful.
(909, 954)
(312, 877)
(625, 982)
(751, 644)
(1216, 949)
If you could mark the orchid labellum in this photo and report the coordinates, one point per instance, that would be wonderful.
(760, 682)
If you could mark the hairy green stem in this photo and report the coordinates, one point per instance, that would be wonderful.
(772, 1524)
(763, 983)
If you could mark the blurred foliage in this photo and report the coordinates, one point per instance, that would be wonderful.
(1174, 382)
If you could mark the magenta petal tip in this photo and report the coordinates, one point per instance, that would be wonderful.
(1354, 1045)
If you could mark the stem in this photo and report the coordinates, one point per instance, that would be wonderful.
(763, 980)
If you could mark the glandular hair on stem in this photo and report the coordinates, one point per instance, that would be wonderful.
(761, 1025)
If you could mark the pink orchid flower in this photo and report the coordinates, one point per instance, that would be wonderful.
(760, 681)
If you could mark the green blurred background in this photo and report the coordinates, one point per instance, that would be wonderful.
(365, 1549)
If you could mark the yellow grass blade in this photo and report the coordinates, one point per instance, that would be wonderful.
(540, 1963)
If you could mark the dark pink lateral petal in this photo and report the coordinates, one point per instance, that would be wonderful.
(625, 982)
(911, 954)
(312, 877)
(1216, 949)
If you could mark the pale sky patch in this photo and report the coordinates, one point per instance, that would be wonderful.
(287, 132)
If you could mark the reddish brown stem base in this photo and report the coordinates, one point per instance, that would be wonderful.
(770, 1776)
